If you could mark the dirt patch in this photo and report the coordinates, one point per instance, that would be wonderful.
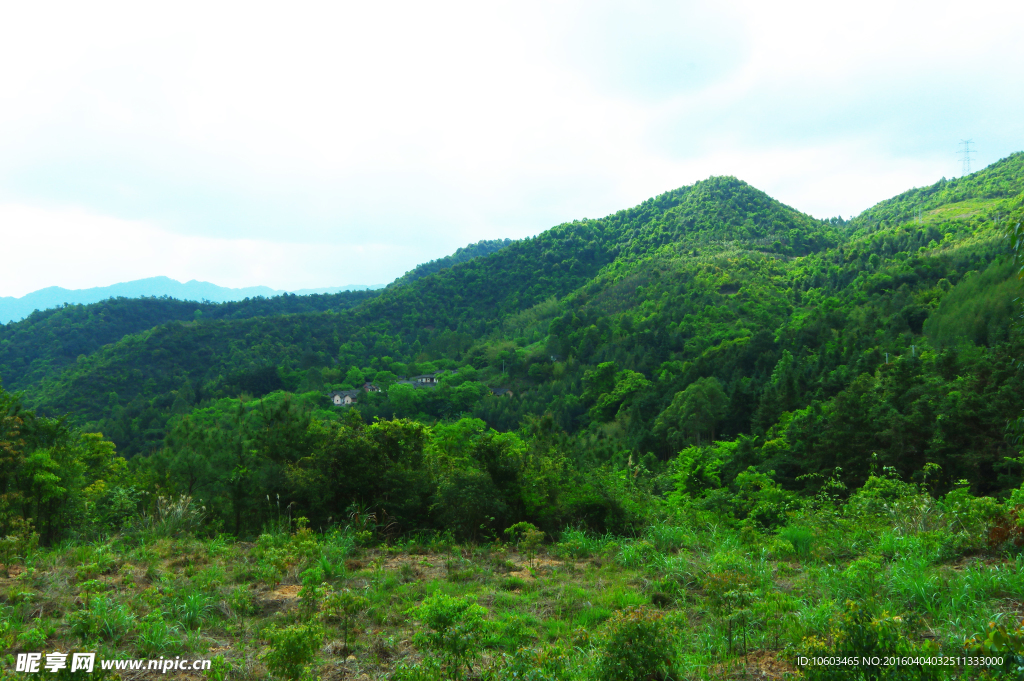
(289, 592)
(759, 664)
(281, 598)
(524, 571)
(12, 571)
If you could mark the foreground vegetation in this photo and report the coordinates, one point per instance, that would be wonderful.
(695, 594)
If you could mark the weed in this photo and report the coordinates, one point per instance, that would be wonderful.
(155, 637)
(800, 537)
(512, 583)
(193, 609)
(175, 517)
(104, 619)
(527, 537)
(220, 669)
(549, 664)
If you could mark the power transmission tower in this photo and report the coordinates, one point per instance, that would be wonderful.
(966, 151)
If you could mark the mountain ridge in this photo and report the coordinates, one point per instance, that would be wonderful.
(17, 308)
(600, 325)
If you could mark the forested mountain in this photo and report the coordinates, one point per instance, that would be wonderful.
(708, 313)
(484, 247)
(47, 342)
(15, 309)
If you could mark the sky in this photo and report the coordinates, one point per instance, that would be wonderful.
(314, 144)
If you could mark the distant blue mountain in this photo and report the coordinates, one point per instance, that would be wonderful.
(15, 309)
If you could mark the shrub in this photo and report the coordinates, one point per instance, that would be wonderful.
(35, 638)
(457, 626)
(293, 650)
(527, 538)
(345, 605)
(1002, 641)
(639, 645)
(856, 633)
(313, 589)
(242, 601)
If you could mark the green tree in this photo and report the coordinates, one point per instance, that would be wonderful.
(694, 411)
(354, 377)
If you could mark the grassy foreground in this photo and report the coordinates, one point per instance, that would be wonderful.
(893, 572)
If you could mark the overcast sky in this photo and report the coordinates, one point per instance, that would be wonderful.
(320, 144)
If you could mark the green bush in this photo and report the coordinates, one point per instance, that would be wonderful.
(313, 589)
(35, 638)
(1001, 641)
(293, 650)
(857, 634)
(639, 645)
(243, 602)
(456, 630)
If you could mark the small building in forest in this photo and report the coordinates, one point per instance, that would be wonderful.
(343, 398)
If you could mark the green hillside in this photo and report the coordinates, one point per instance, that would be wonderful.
(438, 317)
(480, 248)
(715, 281)
(47, 342)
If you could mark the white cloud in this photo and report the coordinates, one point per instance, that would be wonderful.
(332, 126)
(74, 249)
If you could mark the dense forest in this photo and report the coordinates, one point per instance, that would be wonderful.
(744, 421)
